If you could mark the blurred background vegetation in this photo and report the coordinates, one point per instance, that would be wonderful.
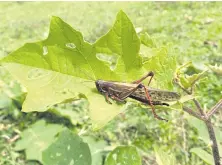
(192, 29)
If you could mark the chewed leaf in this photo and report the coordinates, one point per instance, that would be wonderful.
(122, 41)
(56, 69)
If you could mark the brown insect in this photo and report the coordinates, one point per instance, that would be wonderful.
(119, 91)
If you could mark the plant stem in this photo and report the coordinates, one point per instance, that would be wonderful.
(211, 133)
(214, 109)
(214, 146)
(206, 119)
(191, 112)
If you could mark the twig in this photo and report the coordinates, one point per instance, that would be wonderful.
(214, 109)
(199, 107)
(191, 112)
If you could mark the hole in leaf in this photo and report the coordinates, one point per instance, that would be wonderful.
(45, 50)
(109, 58)
(36, 73)
(71, 45)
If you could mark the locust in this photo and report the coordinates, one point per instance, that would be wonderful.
(119, 91)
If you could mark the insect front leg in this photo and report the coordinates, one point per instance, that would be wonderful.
(109, 94)
(116, 98)
(107, 97)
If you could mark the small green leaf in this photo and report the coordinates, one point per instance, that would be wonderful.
(216, 68)
(194, 78)
(124, 155)
(163, 158)
(147, 40)
(188, 81)
(205, 156)
(67, 149)
(37, 138)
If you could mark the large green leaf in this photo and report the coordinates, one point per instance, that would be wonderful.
(125, 155)
(64, 67)
(37, 138)
(67, 149)
(58, 69)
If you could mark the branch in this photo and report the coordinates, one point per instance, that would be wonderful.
(191, 112)
(199, 107)
(214, 109)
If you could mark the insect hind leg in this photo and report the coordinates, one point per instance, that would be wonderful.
(149, 74)
(152, 105)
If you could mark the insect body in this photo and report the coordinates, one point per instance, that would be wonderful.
(119, 91)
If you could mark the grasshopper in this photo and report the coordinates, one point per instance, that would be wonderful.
(119, 91)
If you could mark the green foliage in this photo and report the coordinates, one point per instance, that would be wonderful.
(194, 29)
(67, 149)
(37, 138)
(126, 155)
